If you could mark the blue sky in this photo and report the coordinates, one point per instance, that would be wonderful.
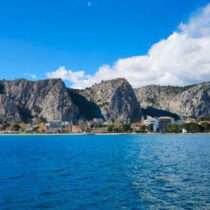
(37, 37)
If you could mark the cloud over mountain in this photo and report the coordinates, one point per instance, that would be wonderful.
(181, 59)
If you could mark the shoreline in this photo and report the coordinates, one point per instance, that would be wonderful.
(100, 134)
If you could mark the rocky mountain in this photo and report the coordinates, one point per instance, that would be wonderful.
(188, 101)
(44, 100)
(47, 100)
(115, 99)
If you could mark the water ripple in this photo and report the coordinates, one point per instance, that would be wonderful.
(105, 172)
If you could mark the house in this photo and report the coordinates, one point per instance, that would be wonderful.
(29, 129)
(99, 130)
(54, 126)
(205, 121)
(152, 122)
(135, 126)
(65, 124)
(96, 122)
(189, 120)
(76, 129)
(164, 122)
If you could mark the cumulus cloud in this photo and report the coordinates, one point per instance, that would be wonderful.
(181, 59)
(33, 76)
(199, 23)
(73, 76)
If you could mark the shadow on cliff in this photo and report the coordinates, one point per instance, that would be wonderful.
(87, 109)
(159, 112)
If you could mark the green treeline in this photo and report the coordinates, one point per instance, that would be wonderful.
(192, 127)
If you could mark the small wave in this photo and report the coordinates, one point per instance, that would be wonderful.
(67, 174)
(58, 170)
(47, 193)
(15, 177)
(53, 204)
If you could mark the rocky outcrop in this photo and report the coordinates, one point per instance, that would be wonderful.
(8, 110)
(188, 101)
(22, 100)
(87, 109)
(115, 98)
(47, 100)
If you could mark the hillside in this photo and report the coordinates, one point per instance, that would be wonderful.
(188, 101)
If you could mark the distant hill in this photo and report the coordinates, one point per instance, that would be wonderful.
(46, 100)
(189, 101)
(43, 100)
(115, 99)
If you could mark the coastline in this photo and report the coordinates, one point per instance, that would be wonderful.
(101, 134)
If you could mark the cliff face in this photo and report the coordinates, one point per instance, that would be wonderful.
(22, 100)
(46, 100)
(115, 98)
(8, 110)
(186, 101)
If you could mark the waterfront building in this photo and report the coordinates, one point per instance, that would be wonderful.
(164, 122)
(152, 122)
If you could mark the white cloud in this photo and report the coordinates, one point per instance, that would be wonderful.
(199, 24)
(183, 58)
(33, 76)
(68, 75)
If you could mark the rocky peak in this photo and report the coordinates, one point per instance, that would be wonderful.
(115, 98)
(188, 101)
(45, 99)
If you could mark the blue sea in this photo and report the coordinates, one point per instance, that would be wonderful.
(105, 172)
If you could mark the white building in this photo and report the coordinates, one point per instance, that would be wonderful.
(164, 122)
(29, 128)
(55, 124)
(65, 124)
(95, 122)
(153, 122)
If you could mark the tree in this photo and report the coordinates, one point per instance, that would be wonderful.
(81, 125)
(126, 127)
(142, 128)
(148, 128)
(173, 128)
(116, 130)
(35, 129)
(205, 127)
(16, 127)
(117, 124)
(110, 128)
(88, 130)
(192, 127)
(5, 126)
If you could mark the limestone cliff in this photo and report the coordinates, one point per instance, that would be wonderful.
(115, 98)
(22, 100)
(188, 101)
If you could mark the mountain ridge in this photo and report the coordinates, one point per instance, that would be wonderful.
(187, 101)
(47, 100)
(115, 98)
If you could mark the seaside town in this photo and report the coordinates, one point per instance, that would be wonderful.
(147, 124)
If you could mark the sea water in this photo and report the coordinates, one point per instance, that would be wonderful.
(105, 172)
